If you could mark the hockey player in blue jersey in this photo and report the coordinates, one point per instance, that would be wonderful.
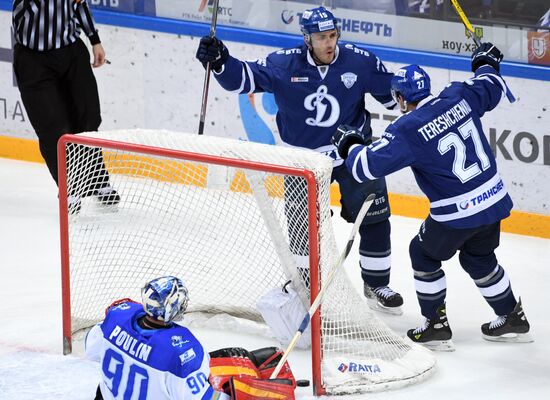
(144, 355)
(318, 86)
(441, 138)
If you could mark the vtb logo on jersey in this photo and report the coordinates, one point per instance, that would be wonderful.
(464, 205)
(349, 78)
(320, 102)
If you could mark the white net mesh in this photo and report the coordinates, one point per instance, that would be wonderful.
(230, 233)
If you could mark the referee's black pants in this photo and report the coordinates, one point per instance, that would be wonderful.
(60, 95)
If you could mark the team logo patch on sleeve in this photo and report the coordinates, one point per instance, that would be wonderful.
(177, 341)
(349, 78)
(187, 356)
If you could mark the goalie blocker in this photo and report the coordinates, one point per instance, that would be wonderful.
(244, 375)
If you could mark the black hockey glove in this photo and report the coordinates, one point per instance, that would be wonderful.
(486, 54)
(212, 50)
(346, 136)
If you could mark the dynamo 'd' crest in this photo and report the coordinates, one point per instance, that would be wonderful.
(318, 101)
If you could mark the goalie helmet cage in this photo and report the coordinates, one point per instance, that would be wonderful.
(233, 219)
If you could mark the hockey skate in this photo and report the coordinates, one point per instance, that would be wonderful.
(383, 299)
(435, 334)
(513, 327)
(74, 205)
(107, 196)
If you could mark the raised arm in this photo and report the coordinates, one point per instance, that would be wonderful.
(232, 74)
(487, 87)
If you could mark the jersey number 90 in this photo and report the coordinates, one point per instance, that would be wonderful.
(197, 382)
(114, 372)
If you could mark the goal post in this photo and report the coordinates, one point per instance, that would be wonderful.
(228, 217)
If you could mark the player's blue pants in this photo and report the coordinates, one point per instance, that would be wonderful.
(375, 244)
(437, 242)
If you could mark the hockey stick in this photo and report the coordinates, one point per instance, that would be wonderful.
(470, 28)
(305, 322)
(465, 21)
(207, 72)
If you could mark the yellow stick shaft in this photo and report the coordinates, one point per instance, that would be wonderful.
(465, 21)
(462, 16)
(468, 26)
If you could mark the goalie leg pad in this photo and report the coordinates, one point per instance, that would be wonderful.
(249, 388)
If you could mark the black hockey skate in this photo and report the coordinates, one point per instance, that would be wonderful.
(513, 327)
(383, 299)
(108, 196)
(435, 334)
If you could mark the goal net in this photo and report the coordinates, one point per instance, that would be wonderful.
(234, 220)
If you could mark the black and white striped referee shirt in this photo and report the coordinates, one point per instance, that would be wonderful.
(52, 24)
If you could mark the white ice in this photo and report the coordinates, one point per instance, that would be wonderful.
(32, 367)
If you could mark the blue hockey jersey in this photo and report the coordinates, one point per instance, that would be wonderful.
(444, 144)
(312, 100)
(137, 363)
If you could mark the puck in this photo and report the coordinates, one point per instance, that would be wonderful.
(302, 382)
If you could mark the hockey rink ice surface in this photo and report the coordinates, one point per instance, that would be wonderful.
(32, 365)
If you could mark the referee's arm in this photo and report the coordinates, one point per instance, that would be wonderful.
(87, 23)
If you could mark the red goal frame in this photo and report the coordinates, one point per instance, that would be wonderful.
(313, 231)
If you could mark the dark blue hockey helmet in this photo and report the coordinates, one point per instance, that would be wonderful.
(317, 20)
(164, 298)
(411, 82)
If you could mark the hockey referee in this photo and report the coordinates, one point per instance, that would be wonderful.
(57, 85)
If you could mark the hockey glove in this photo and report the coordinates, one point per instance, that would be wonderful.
(212, 50)
(267, 359)
(346, 136)
(238, 362)
(486, 54)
